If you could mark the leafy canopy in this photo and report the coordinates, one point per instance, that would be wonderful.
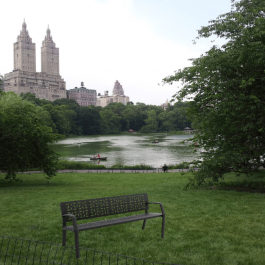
(24, 137)
(227, 86)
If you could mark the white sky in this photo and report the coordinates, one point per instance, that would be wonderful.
(137, 42)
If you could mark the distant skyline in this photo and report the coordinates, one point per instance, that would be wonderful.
(137, 42)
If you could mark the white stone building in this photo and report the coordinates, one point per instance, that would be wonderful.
(117, 96)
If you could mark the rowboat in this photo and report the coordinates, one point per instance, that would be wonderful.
(98, 158)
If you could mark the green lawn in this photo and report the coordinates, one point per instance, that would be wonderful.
(203, 226)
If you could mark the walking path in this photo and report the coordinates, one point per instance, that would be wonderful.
(155, 170)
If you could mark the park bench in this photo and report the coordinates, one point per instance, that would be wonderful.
(92, 208)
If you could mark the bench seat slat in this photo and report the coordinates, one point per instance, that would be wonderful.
(115, 221)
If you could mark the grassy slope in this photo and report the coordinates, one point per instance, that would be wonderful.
(202, 226)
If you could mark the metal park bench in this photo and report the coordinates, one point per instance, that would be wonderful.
(92, 208)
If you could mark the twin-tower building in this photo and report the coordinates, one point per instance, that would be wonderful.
(48, 83)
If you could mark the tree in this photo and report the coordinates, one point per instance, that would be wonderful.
(151, 120)
(32, 98)
(118, 108)
(59, 117)
(110, 121)
(90, 120)
(24, 138)
(227, 85)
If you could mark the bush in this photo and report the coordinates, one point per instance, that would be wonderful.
(65, 164)
(146, 129)
(179, 133)
(136, 167)
(183, 165)
(249, 184)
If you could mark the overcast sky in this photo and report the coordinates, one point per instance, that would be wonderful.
(137, 42)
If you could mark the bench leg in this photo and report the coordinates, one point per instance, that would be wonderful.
(64, 237)
(77, 251)
(144, 224)
(163, 226)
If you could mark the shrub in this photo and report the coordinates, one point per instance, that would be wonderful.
(136, 167)
(183, 165)
(65, 164)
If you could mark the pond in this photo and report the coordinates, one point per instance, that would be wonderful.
(128, 149)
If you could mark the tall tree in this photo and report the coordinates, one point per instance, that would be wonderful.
(151, 121)
(228, 88)
(72, 113)
(110, 121)
(24, 138)
(59, 117)
(90, 120)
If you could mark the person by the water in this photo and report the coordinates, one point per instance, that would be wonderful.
(165, 168)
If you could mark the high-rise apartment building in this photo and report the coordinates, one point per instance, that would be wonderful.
(49, 55)
(24, 52)
(117, 96)
(46, 84)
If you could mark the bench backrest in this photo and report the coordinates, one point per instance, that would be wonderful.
(92, 208)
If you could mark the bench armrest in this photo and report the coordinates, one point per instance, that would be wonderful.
(161, 206)
(73, 220)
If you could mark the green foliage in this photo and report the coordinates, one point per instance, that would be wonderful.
(135, 167)
(90, 120)
(67, 117)
(111, 121)
(146, 129)
(179, 132)
(65, 164)
(151, 120)
(227, 85)
(59, 117)
(174, 118)
(25, 137)
(183, 165)
(247, 184)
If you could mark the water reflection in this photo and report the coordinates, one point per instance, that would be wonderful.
(128, 149)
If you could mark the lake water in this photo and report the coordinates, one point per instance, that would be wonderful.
(128, 149)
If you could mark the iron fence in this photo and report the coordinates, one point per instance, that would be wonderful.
(27, 252)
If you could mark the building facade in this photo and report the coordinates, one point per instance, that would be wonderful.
(83, 96)
(165, 105)
(117, 96)
(2, 84)
(49, 55)
(46, 84)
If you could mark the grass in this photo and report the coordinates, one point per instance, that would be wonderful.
(203, 226)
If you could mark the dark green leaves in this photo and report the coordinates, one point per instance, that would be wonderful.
(228, 89)
(24, 137)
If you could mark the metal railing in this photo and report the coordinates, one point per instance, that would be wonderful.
(27, 252)
(155, 170)
(115, 170)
